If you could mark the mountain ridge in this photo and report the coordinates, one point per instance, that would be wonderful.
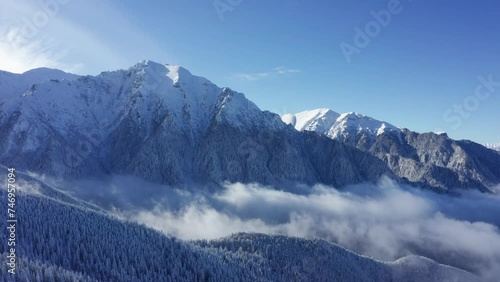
(166, 125)
(410, 155)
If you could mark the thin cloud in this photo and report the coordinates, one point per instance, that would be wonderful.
(26, 44)
(386, 221)
(263, 75)
(285, 70)
(19, 55)
(63, 42)
(383, 221)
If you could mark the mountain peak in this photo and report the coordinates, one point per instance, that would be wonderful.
(366, 123)
(351, 115)
(178, 73)
(158, 72)
(312, 120)
(337, 126)
(42, 74)
(148, 64)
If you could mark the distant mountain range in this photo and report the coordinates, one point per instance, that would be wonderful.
(163, 124)
(431, 159)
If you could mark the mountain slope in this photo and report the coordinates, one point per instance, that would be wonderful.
(166, 125)
(428, 159)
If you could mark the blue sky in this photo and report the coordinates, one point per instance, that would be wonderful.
(418, 70)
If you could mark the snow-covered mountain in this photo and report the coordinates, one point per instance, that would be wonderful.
(166, 125)
(347, 127)
(429, 159)
(163, 124)
(12, 84)
(64, 240)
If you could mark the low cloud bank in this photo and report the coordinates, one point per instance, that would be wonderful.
(385, 221)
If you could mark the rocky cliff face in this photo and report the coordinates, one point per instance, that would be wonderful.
(437, 161)
(428, 159)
